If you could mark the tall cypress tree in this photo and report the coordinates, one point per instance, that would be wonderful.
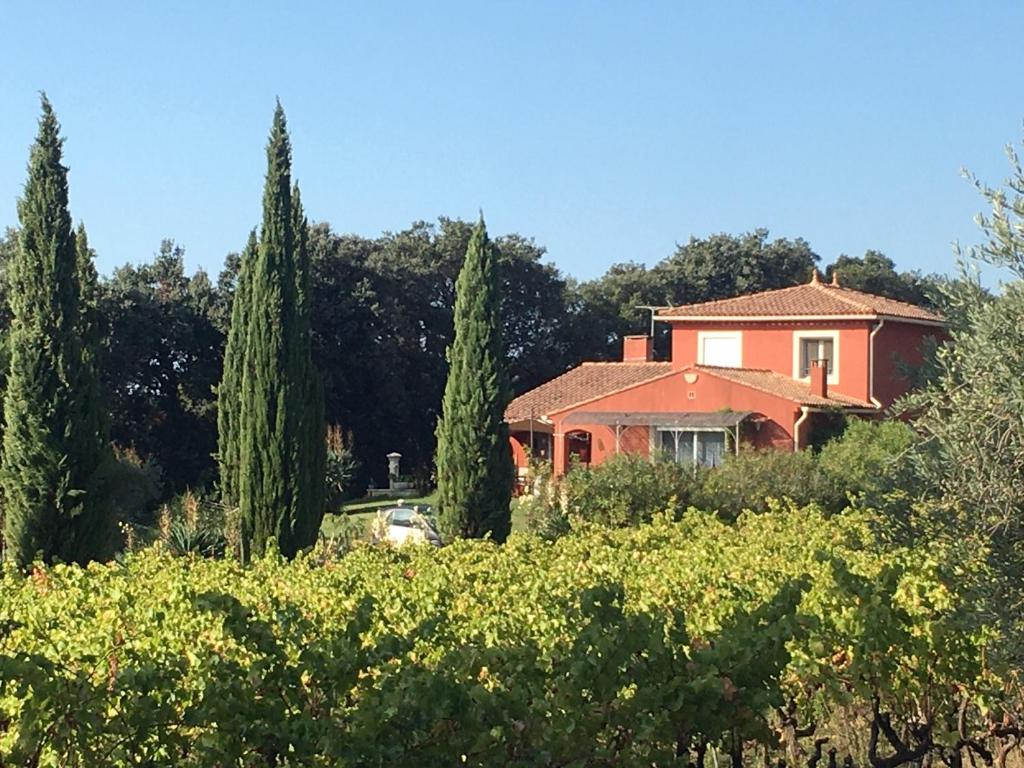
(474, 461)
(53, 442)
(313, 459)
(278, 491)
(89, 438)
(229, 393)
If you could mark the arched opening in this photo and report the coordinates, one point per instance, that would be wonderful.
(577, 446)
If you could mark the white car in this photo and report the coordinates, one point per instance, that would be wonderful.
(405, 525)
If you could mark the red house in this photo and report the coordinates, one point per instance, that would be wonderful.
(763, 370)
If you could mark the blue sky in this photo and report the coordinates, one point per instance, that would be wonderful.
(606, 131)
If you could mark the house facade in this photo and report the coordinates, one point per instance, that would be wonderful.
(769, 369)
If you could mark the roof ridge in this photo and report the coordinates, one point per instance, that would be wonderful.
(807, 300)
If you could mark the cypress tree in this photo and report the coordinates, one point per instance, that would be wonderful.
(53, 443)
(278, 489)
(313, 460)
(93, 527)
(93, 427)
(229, 393)
(474, 461)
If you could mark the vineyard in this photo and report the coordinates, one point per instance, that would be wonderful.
(790, 638)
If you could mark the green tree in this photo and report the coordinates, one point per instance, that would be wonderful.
(312, 461)
(8, 247)
(53, 444)
(474, 460)
(162, 362)
(870, 461)
(229, 393)
(89, 437)
(382, 320)
(717, 267)
(876, 273)
(971, 455)
(281, 489)
(722, 266)
(970, 414)
(608, 308)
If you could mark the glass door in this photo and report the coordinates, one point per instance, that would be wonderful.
(685, 446)
(710, 448)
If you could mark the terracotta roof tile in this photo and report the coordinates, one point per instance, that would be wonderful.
(583, 383)
(782, 386)
(812, 299)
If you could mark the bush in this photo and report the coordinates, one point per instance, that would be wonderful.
(342, 468)
(624, 490)
(188, 525)
(867, 463)
(627, 490)
(630, 648)
(541, 506)
(747, 480)
(130, 486)
(870, 462)
(340, 533)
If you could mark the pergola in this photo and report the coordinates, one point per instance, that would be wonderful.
(690, 421)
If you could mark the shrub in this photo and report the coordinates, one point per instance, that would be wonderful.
(541, 507)
(130, 486)
(624, 490)
(747, 480)
(342, 467)
(627, 490)
(340, 534)
(188, 525)
(871, 462)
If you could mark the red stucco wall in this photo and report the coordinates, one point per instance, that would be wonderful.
(770, 346)
(897, 342)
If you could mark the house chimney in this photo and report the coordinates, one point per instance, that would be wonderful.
(637, 349)
(819, 378)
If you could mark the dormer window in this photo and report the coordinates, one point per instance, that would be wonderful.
(809, 346)
(812, 350)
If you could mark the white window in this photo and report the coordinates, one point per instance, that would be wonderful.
(720, 348)
(809, 346)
